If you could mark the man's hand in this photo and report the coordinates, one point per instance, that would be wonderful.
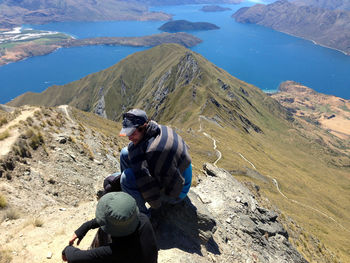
(74, 237)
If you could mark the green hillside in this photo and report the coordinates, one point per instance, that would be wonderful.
(259, 140)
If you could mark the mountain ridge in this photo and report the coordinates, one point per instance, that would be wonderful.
(259, 139)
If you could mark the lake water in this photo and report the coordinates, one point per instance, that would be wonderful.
(252, 53)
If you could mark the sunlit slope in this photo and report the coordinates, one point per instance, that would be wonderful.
(257, 138)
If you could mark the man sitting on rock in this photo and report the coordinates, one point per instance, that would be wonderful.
(156, 167)
(132, 235)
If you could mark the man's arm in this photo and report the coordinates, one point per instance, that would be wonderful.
(76, 255)
(82, 230)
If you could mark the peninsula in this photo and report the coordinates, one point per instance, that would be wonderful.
(17, 45)
(329, 28)
(184, 25)
(326, 111)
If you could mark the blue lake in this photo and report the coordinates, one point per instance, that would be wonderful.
(255, 54)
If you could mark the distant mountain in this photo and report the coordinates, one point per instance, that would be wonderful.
(20, 12)
(188, 2)
(329, 28)
(301, 167)
(326, 4)
(184, 25)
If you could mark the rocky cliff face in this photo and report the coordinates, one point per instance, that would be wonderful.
(330, 28)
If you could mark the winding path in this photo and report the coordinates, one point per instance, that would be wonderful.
(274, 180)
(65, 109)
(218, 153)
(7, 143)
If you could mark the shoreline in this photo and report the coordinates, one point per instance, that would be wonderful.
(313, 41)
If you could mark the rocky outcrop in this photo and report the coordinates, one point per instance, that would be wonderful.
(184, 73)
(100, 108)
(221, 221)
(187, 70)
(330, 28)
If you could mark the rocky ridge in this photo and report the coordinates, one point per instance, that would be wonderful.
(221, 221)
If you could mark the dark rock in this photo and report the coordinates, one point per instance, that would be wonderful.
(8, 176)
(215, 102)
(244, 91)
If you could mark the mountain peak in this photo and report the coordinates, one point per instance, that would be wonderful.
(170, 82)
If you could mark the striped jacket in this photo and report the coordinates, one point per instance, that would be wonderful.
(158, 162)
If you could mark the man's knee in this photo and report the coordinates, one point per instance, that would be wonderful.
(124, 153)
(128, 178)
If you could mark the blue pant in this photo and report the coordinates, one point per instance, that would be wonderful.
(128, 182)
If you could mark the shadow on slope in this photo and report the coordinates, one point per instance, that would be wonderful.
(187, 226)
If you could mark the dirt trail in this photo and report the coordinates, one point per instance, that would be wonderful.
(65, 109)
(218, 153)
(274, 181)
(6, 144)
(31, 244)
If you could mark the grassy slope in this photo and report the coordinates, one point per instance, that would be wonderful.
(285, 150)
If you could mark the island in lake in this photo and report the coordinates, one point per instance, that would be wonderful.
(19, 44)
(214, 8)
(184, 25)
